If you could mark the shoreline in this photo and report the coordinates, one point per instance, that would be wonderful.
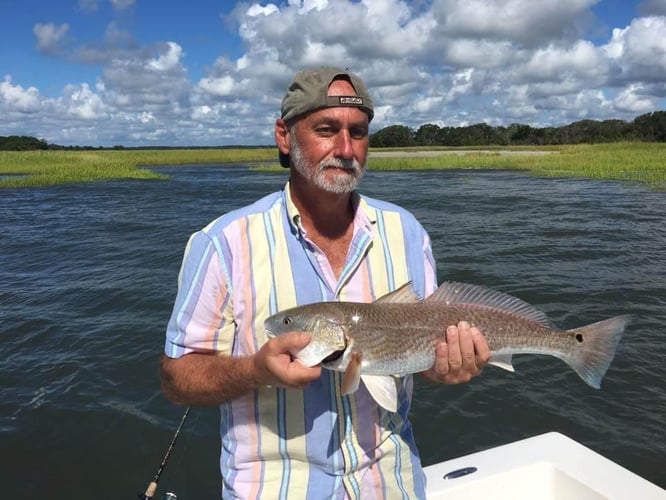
(460, 152)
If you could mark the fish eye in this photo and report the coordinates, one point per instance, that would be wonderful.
(286, 321)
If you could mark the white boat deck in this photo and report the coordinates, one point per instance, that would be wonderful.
(546, 467)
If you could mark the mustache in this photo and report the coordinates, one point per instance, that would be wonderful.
(351, 164)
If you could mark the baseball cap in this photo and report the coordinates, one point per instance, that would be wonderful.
(309, 91)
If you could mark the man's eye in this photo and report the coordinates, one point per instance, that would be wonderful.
(358, 133)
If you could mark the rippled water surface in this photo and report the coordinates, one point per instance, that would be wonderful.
(88, 276)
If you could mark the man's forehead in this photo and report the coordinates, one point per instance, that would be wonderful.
(341, 86)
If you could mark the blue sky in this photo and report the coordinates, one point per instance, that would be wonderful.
(203, 72)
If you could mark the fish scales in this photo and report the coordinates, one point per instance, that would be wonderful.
(400, 338)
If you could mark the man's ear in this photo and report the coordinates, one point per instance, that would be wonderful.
(282, 136)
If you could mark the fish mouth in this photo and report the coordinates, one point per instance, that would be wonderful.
(335, 355)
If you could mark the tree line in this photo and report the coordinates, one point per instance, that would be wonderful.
(650, 127)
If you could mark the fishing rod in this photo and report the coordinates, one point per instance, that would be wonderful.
(152, 487)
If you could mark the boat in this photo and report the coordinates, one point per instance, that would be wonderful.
(548, 466)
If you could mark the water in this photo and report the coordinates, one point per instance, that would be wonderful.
(88, 275)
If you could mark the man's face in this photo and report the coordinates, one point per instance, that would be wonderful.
(329, 146)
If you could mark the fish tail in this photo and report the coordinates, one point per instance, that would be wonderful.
(596, 348)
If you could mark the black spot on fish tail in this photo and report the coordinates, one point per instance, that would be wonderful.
(595, 348)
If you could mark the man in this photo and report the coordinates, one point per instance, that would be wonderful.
(287, 431)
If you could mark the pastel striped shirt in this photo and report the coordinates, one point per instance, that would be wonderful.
(311, 443)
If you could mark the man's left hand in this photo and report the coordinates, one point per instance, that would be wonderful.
(461, 356)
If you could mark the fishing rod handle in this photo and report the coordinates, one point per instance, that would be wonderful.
(150, 491)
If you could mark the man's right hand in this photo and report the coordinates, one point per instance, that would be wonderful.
(205, 379)
(274, 365)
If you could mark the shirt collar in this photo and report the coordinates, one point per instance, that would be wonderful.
(364, 217)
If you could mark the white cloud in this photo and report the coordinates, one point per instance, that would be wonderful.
(449, 62)
(653, 8)
(480, 53)
(633, 99)
(205, 114)
(122, 4)
(257, 10)
(168, 60)
(639, 51)
(222, 86)
(49, 36)
(88, 5)
(560, 70)
(529, 22)
(81, 102)
(14, 98)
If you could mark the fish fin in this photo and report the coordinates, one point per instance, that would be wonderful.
(403, 295)
(383, 390)
(595, 348)
(352, 374)
(502, 361)
(452, 292)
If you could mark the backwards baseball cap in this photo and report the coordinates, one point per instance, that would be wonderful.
(309, 92)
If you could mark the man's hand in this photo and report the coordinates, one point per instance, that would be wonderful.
(274, 366)
(461, 357)
(207, 379)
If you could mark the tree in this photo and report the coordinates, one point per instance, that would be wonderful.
(21, 143)
(651, 126)
(393, 136)
(426, 135)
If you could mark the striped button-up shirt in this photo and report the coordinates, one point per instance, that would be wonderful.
(310, 443)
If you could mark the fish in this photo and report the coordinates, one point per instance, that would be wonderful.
(396, 335)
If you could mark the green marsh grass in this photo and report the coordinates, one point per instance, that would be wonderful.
(43, 168)
(625, 161)
(631, 161)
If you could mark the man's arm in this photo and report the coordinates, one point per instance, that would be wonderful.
(461, 357)
(210, 379)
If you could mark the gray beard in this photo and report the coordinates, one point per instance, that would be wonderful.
(342, 183)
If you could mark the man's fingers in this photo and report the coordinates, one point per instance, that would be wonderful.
(453, 343)
(480, 348)
(275, 365)
(300, 375)
(291, 341)
(466, 346)
(442, 358)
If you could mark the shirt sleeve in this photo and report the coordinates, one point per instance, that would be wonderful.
(202, 316)
(430, 266)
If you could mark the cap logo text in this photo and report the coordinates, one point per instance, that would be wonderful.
(351, 101)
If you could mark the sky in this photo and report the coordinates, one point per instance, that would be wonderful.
(213, 73)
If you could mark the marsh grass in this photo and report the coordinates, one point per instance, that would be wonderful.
(633, 162)
(42, 168)
(626, 161)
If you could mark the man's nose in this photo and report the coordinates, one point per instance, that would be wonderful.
(344, 147)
